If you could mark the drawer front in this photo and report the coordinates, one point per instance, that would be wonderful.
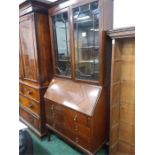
(30, 119)
(49, 112)
(54, 114)
(76, 117)
(72, 124)
(77, 128)
(69, 116)
(69, 133)
(31, 92)
(84, 142)
(29, 104)
(20, 88)
(77, 122)
(82, 130)
(59, 127)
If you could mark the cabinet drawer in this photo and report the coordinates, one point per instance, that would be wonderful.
(31, 92)
(29, 104)
(82, 130)
(49, 112)
(77, 128)
(73, 116)
(84, 142)
(54, 113)
(30, 119)
(69, 133)
(20, 88)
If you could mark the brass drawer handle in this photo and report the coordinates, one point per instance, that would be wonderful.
(76, 139)
(30, 92)
(76, 128)
(75, 118)
(30, 105)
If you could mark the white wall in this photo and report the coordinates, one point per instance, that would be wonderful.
(124, 13)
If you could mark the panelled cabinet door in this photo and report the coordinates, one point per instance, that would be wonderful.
(28, 47)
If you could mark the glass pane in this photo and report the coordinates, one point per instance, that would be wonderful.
(61, 44)
(86, 35)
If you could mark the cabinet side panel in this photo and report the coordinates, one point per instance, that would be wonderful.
(114, 98)
(127, 97)
(99, 123)
(44, 48)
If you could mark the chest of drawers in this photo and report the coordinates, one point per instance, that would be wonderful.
(77, 113)
(31, 109)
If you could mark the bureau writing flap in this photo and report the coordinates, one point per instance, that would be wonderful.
(77, 96)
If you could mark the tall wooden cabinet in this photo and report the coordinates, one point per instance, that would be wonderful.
(77, 98)
(35, 68)
(122, 96)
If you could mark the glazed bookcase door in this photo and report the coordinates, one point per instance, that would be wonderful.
(61, 38)
(86, 41)
(27, 39)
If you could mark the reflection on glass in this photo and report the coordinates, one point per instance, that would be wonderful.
(61, 44)
(86, 34)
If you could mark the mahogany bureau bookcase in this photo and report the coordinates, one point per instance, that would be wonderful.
(35, 64)
(77, 99)
(122, 96)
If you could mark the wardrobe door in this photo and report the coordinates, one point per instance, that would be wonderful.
(28, 47)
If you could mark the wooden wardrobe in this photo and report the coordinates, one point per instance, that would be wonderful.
(35, 68)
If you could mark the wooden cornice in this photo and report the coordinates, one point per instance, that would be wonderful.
(32, 6)
(122, 33)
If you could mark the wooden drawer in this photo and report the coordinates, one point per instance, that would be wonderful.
(84, 142)
(78, 122)
(31, 92)
(29, 104)
(69, 133)
(77, 128)
(54, 113)
(49, 112)
(76, 117)
(20, 88)
(29, 118)
(82, 130)
(59, 127)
